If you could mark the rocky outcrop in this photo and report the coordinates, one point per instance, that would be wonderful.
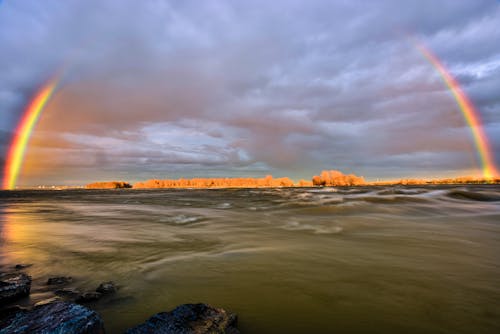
(59, 280)
(108, 185)
(106, 288)
(68, 293)
(21, 266)
(56, 317)
(189, 319)
(62, 312)
(88, 297)
(75, 295)
(14, 286)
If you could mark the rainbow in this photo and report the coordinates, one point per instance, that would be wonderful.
(15, 155)
(471, 115)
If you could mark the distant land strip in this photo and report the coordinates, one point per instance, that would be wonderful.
(326, 178)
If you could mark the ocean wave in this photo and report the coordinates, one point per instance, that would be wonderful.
(389, 199)
(181, 219)
(316, 229)
(398, 191)
(473, 195)
(224, 205)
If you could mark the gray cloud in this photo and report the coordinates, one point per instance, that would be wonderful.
(232, 87)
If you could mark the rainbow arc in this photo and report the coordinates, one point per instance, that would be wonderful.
(17, 149)
(469, 111)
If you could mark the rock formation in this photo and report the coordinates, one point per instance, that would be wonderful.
(60, 313)
(14, 286)
(59, 280)
(55, 317)
(189, 319)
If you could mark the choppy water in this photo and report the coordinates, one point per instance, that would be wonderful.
(379, 260)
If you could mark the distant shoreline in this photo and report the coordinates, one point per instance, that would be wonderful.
(367, 184)
(325, 179)
(450, 182)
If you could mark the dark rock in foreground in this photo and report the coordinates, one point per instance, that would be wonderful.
(14, 286)
(189, 319)
(57, 317)
(106, 288)
(59, 280)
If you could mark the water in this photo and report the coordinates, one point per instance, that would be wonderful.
(319, 260)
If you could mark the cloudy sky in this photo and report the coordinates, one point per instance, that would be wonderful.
(164, 89)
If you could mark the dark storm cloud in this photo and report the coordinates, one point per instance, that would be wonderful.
(255, 86)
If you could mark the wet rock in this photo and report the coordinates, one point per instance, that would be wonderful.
(14, 286)
(106, 288)
(189, 319)
(7, 311)
(57, 317)
(59, 280)
(71, 293)
(88, 297)
(22, 266)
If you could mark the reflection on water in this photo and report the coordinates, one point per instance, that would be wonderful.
(396, 259)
